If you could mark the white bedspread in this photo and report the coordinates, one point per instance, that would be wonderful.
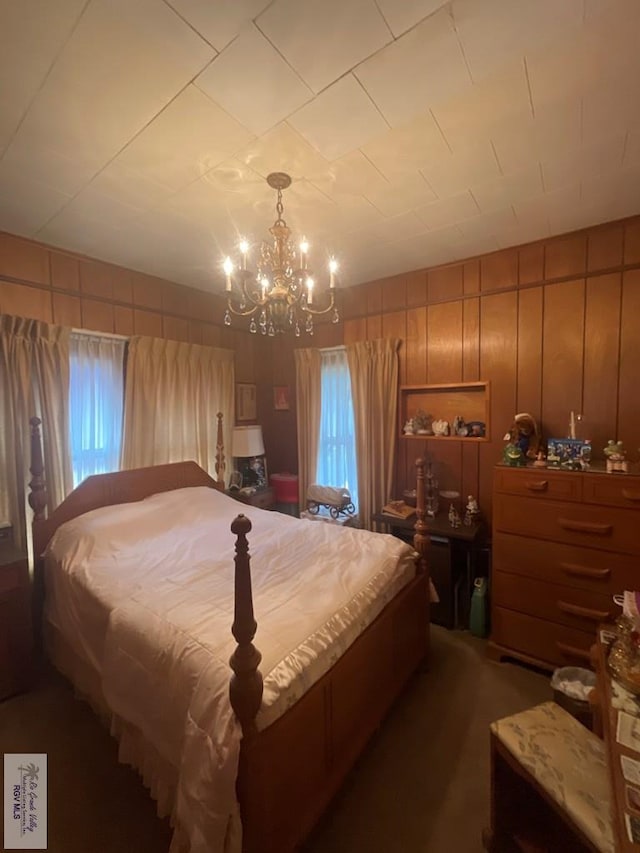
(144, 592)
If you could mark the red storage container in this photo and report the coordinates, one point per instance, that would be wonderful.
(286, 486)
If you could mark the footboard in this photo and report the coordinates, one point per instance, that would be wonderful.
(289, 772)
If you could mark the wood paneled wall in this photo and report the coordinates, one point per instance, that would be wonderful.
(61, 287)
(553, 325)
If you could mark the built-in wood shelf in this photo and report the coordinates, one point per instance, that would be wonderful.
(468, 400)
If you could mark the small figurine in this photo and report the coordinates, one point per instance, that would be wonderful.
(454, 518)
(458, 427)
(440, 427)
(540, 460)
(409, 428)
(472, 511)
(513, 455)
(422, 423)
(616, 457)
(476, 429)
(524, 433)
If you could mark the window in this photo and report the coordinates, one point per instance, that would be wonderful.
(337, 445)
(96, 389)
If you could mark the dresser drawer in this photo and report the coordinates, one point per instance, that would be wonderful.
(574, 524)
(612, 489)
(603, 572)
(575, 608)
(556, 645)
(539, 483)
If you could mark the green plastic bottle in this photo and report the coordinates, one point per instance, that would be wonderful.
(478, 614)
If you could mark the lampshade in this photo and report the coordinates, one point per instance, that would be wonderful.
(247, 441)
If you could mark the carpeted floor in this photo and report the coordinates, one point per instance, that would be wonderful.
(422, 785)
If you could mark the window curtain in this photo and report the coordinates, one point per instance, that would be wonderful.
(173, 392)
(373, 366)
(337, 464)
(308, 405)
(34, 380)
(96, 394)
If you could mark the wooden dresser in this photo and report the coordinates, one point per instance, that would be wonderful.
(563, 543)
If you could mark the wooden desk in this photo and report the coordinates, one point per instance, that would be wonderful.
(452, 562)
(608, 717)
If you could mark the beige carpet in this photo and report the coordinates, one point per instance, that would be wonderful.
(422, 785)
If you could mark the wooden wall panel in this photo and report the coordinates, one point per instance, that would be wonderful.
(498, 363)
(529, 393)
(147, 323)
(123, 320)
(374, 327)
(444, 331)
(531, 263)
(354, 330)
(632, 241)
(604, 248)
(471, 340)
(601, 354)
(416, 346)
(628, 396)
(23, 301)
(24, 260)
(562, 363)
(97, 315)
(499, 271)
(445, 283)
(175, 329)
(566, 256)
(471, 277)
(417, 289)
(394, 293)
(66, 310)
(65, 271)
(96, 280)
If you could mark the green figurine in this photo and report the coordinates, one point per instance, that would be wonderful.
(513, 455)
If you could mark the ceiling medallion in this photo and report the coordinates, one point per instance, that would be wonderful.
(279, 294)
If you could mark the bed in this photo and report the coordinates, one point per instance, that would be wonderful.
(140, 594)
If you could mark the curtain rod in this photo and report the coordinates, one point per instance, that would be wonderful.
(89, 334)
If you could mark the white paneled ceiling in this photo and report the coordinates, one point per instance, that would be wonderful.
(416, 132)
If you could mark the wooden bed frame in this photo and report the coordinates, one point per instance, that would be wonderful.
(289, 771)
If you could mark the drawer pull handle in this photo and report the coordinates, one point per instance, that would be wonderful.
(585, 572)
(630, 495)
(572, 651)
(595, 527)
(537, 485)
(585, 612)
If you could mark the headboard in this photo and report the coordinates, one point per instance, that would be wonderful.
(106, 490)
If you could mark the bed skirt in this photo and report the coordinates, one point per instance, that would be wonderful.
(157, 774)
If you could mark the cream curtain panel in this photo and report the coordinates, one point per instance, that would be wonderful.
(373, 366)
(308, 407)
(34, 380)
(173, 392)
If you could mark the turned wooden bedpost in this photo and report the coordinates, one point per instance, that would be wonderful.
(245, 689)
(220, 458)
(421, 536)
(37, 485)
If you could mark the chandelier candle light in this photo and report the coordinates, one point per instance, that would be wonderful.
(281, 293)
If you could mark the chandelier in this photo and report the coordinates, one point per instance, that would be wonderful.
(279, 294)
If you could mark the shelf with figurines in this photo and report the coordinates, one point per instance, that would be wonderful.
(449, 412)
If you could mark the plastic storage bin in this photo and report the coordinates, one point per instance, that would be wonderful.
(286, 489)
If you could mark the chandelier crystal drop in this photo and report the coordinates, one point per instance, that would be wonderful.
(281, 291)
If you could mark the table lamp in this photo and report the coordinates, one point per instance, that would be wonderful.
(247, 446)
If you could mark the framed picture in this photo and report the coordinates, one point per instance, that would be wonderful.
(253, 471)
(281, 398)
(245, 401)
